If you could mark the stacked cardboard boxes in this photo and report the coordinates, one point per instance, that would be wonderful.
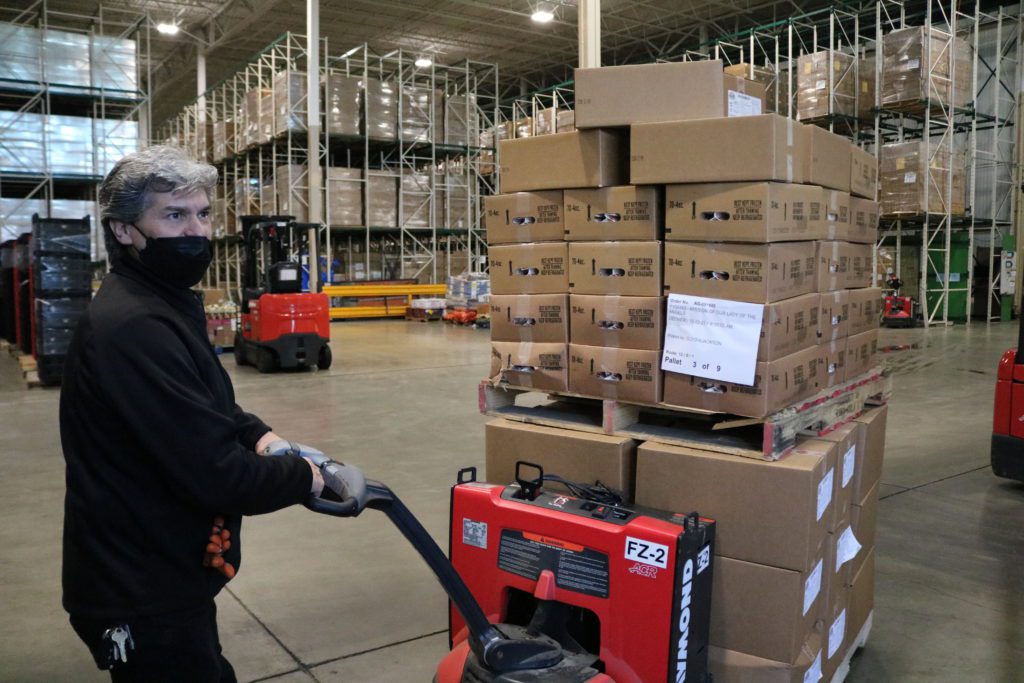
(826, 84)
(910, 170)
(925, 67)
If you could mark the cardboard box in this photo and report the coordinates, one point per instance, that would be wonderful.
(626, 374)
(863, 221)
(625, 212)
(739, 667)
(740, 212)
(524, 217)
(835, 363)
(825, 85)
(765, 611)
(835, 631)
(756, 273)
(865, 309)
(536, 268)
(843, 265)
(845, 440)
(835, 217)
(861, 353)
(862, 598)
(777, 384)
(863, 173)
(843, 551)
(625, 268)
(834, 316)
(870, 451)
(860, 274)
(864, 521)
(577, 456)
(767, 147)
(542, 318)
(774, 513)
(583, 158)
(625, 322)
(669, 91)
(827, 159)
(776, 89)
(532, 365)
(789, 326)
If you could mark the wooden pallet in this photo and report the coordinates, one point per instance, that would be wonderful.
(764, 439)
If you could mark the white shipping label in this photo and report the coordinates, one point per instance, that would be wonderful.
(645, 552)
(847, 548)
(825, 491)
(909, 178)
(712, 338)
(812, 586)
(813, 673)
(914, 64)
(474, 533)
(741, 104)
(836, 633)
(849, 462)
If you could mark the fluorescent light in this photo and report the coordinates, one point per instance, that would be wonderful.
(543, 15)
(423, 62)
(167, 29)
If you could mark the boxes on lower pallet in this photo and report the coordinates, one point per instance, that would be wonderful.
(864, 521)
(532, 365)
(729, 666)
(628, 322)
(577, 456)
(632, 375)
(530, 318)
(777, 384)
(870, 451)
(835, 627)
(862, 598)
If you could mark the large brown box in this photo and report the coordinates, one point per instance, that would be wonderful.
(774, 513)
(864, 520)
(863, 173)
(626, 374)
(865, 309)
(765, 611)
(627, 322)
(861, 353)
(669, 91)
(582, 158)
(576, 456)
(776, 87)
(755, 273)
(909, 170)
(835, 215)
(834, 316)
(777, 384)
(532, 365)
(537, 268)
(843, 265)
(767, 147)
(625, 268)
(819, 93)
(862, 598)
(870, 452)
(530, 318)
(863, 220)
(739, 667)
(624, 212)
(740, 212)
(524, 217)
(834, 628)
(845, 439)
(908, 80)
(827, 159)
(789, 326)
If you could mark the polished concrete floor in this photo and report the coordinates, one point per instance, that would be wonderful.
(347, 600)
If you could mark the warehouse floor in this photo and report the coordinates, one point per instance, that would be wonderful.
(330, 600)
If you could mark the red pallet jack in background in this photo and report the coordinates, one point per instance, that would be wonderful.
(586, 590)
(898, 311)
(1008, 417)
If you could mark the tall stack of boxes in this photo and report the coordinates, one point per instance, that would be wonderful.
(726, 203)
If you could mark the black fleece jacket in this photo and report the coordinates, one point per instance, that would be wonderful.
(155, 447)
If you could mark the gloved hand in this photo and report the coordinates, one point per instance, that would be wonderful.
(314, 456)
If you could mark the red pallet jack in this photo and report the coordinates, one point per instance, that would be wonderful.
(586, 590)
(898, 311)
(1008, 416)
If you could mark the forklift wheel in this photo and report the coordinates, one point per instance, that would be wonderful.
(239, 350)
(323, 361)
(266, 361)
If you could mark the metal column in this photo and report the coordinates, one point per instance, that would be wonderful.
(590, 33)
(316, 212)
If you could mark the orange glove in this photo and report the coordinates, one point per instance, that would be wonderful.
(219, 542)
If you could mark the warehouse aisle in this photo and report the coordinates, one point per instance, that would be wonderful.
(331, 600)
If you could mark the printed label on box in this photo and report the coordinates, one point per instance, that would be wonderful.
(812, 586)
(741, 104)
(712, 338)
(836, 632)
(849, 462)
(825, 491)
(813, 674)
(847, 548)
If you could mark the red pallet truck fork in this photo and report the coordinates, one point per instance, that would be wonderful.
(556, 588)
(1008, 416)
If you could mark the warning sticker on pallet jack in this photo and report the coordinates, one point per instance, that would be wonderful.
(575, 568)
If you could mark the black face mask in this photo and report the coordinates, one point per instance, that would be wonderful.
(179, 261)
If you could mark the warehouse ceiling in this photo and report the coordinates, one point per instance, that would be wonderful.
(529, 55)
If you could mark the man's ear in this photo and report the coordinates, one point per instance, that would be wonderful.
(120, 230)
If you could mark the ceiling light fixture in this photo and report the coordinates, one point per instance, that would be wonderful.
(167, 29)
(423, 62)
(543, 15)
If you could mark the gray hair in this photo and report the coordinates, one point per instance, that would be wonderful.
(125, 192)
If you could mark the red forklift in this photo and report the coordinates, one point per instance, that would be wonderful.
(897, 311)
(281, 326)
(1008, 417)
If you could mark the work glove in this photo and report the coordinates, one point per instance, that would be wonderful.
(314, 456)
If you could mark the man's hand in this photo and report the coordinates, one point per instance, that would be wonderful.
(318, 479)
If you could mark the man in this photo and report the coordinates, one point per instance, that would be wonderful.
(155, 445)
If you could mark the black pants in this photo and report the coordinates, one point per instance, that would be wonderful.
(180, 646)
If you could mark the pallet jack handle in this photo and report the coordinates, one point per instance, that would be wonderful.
(356, 493)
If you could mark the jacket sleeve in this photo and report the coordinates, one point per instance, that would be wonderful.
(155, 386)
(248, 427)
